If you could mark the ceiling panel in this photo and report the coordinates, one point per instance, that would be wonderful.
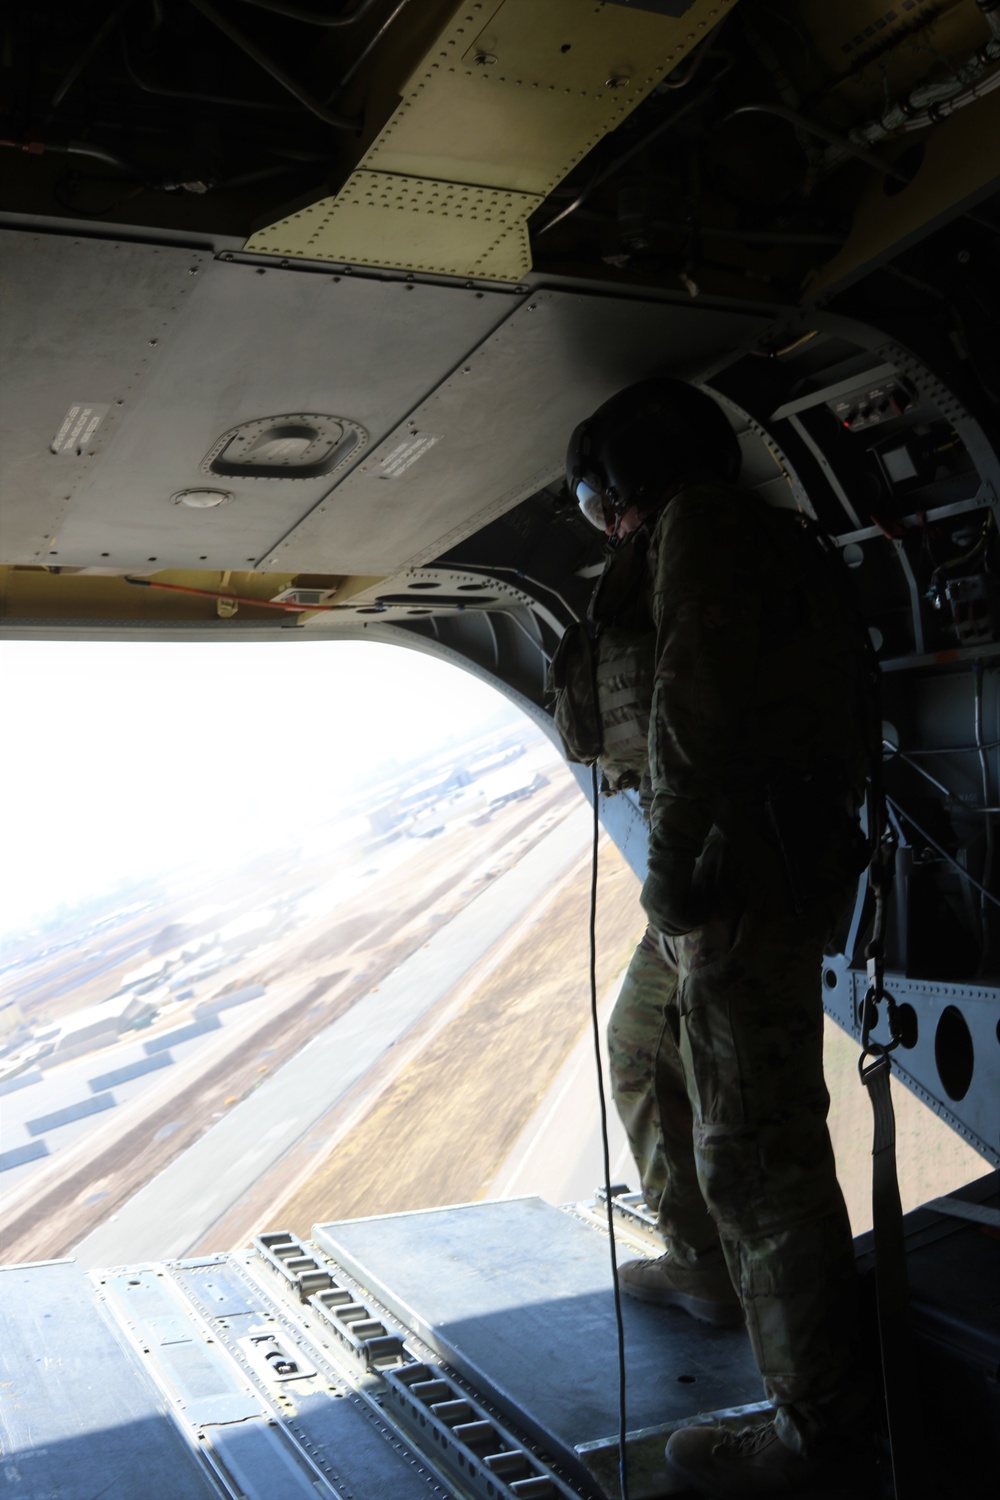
(496, 429)
(458, 403)
(83, 323)
(172, 350)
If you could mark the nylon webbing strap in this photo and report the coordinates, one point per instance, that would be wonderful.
(976, 1213)
(892, 1293)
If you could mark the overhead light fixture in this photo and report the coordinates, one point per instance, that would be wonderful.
(201, 499)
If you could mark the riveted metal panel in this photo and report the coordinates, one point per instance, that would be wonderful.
(322, 1413)
(241, 345)
(951, 1060)
(85, 324)
(202, 1383)
(515, 95)
(508, 98)
(80, 1416)
(516, 1296)
(495, 431)
(411, 224)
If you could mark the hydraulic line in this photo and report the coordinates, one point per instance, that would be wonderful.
(780, 112)
(901, 755)
(81, 148)
(283, 604)
(160, 92)
(950, 796)
(217, 99)
(368, 48)
(241, 40)
(289, 607)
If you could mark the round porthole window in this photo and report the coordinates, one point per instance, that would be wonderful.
(954, 1053)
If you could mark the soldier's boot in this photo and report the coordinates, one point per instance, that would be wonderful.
(755, 1462)
(704, 1290)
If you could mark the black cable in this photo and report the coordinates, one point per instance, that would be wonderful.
(622, 1426)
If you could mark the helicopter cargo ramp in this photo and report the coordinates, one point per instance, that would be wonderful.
(465, 1352)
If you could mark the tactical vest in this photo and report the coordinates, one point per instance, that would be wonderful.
(601, 675)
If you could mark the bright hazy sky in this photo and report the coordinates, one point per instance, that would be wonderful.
(125, 758)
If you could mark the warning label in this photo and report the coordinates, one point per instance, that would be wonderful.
(405, 453)
(79, 425)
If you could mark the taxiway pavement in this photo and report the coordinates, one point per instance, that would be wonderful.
(174, 1211)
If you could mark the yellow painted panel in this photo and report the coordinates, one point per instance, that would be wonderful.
(519, 101)
(410, 224)
(507, 100)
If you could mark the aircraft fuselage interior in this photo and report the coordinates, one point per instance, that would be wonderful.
(301, 303)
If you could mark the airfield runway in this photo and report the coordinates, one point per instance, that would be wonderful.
(178, 1207)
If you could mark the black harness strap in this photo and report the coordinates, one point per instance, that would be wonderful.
(902, 1406)
(902, 1398)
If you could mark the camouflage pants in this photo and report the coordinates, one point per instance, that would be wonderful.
(716, 1047)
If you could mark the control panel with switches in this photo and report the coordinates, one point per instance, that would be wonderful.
(867, 408)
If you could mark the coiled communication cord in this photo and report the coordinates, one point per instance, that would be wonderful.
(622, 1428)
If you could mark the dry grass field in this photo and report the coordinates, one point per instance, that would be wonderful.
(436, 1117)
(440, 1131)
(313, 975)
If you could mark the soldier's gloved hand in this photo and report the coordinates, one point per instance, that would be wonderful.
(668, 895)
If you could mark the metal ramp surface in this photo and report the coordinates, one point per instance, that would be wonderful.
(516, 1296)
(458, 1352)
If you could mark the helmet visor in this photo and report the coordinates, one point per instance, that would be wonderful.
(592, 503)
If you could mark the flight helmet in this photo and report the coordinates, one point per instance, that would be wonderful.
(641, 442)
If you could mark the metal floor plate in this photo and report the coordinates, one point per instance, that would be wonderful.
(141, 1387)
(79, 1417)
(517, 1297)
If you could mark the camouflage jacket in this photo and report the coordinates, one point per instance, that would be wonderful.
(761, 662)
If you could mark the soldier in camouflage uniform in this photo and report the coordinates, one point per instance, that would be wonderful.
(758, 740)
